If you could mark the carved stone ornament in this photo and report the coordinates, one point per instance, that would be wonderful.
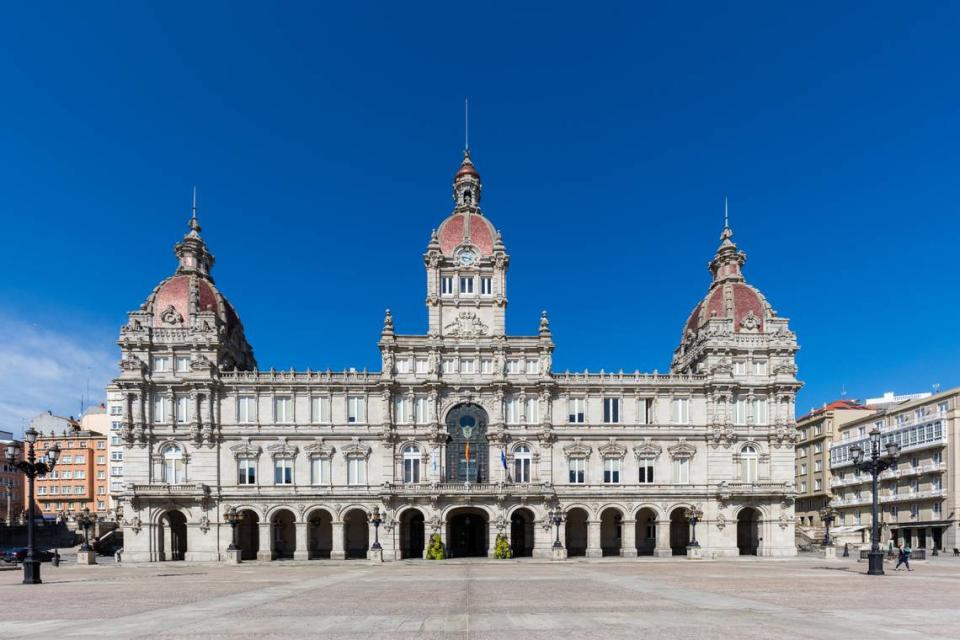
(722, 434)
(317, 449)
(784, 521)
(170, 315)
(612, 449)
(356, 450)
(134, 524)
(577, 449)
(204, 523)
(721, 521)
(282, 449)
(132, 363)
(750, 322)
(782, 435)
(466, 325)
(647, 449)
(547, 437)
(682, 449)
(244, 449)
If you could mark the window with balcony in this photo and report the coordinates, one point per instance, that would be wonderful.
(522, 460)
(411, 464)
(174, 465)
(748, 464)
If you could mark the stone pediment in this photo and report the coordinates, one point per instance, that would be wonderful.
(682, 449)
(318, 449)
(282, 449)
(356, 450)
(647, 449)
(612, 449)
(246, 450)
(577, 449)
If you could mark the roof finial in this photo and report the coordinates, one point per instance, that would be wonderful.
(466, 126)
(194, 223)
(726, 213)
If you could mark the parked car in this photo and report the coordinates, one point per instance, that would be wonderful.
(20, 553)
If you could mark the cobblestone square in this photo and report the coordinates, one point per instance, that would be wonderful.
(647, 598)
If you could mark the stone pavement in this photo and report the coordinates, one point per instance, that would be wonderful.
(645, 598)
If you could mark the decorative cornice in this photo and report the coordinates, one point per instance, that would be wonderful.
(577, 449)
(647, 449)
(282, 449)
(246, 450)
(318, 449)
(682, 449)
(611, 449)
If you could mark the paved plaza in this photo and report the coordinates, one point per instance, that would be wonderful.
(647, 598)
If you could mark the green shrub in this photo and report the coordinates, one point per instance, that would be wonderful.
(502, 550)
(435, 550)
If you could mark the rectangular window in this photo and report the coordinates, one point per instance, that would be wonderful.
(817, 430)
(320, 471)
(66, 460)
(818, 484)
(937, 457)
(401, 409)
(646, 470)
(486, 286)
(532, 410)
(114, 441)
(247, 471)
(100, 505)
(577, 409)
(818, 466)
(681, 471)
(740, 412)
(116, 410)
(246, 409)
(759, 367)
(466, 285)
(41, 490)
(760, 411)
(513, 411)
(356, 471)
(645, 411)
(513, 366)
(936, 508)
(403, 365)
(282, 409)
(101, 475)
(486, 366)
(611, 470)
(577, 470)
(739, 368)
(936, 484)
(320, 409)
(356, 409)
(411, 469)
(420, 410)
(183, 409)
(182, 364)
(161, 364)
(116, 455)
(680, 409)
(161, 408)
(803, 486)
(283, 471)
(803, 469)
(817, 447)
(468, 366)
(914, 510)
(449, 365)
(420, 365)
(80, 475)
(611, 410)
(101, 444)
(533, 367)
(446, 285)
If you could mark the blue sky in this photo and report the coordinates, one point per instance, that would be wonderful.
(323, 140)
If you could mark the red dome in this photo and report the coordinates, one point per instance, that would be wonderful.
(174, 294)
(466, 228)
(737, 300)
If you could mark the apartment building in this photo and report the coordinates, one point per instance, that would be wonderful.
(918, 496)
(11, 483)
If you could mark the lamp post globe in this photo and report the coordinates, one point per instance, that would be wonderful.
(376, 521)
(875, 461)
(33, 468)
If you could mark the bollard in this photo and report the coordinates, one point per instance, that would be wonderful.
(56, 558)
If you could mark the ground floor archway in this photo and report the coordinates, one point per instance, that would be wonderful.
(411, 534)
(575, 534)
(521, 533)
(679, 532)
(748, 531)
(172, 536)
(320, 534)
(611, 531)
(646, 532)
(284, 529)
(467, 533)
(356, 534)
(248, 534)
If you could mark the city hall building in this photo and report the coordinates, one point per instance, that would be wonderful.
(466, 432)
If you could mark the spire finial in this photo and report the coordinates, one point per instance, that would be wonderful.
(726, 213)
(194, 223)
(466, 126)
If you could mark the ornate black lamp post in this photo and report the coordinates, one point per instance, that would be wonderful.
(85, 520)
(31, 467)
(376, 521)
(694, 515)
(827, 515)
(233, 518)
(875, 465)
(556, 516)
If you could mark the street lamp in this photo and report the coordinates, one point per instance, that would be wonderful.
(827, 515)
(85, 520)
(556, 516)
(32, 468)
(694, 515)
(376, 521)
(875, 465)
(233, 518)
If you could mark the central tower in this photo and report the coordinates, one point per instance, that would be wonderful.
(466, 266)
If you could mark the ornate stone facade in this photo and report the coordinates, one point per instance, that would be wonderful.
(466, 432)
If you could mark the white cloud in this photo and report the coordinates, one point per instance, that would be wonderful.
(42, 369)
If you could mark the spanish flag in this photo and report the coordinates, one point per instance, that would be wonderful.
(466, 453)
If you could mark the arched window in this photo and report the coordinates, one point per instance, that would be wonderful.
(522, 459)
(748, 464)
(411, 464)
(174, 465)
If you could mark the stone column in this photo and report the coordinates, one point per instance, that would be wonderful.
(593, 539)
(427, 532)
(265, 552)
(492, 532)
(336, 550)
(167, 551)
(663, 549)
(543, 539)
(302, 551)
(628, 538)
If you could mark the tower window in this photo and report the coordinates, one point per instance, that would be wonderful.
(486, 286)
(466, 285)
(446, 285)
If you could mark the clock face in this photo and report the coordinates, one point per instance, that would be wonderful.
(467, 258)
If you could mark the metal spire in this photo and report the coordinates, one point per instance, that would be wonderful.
(194, 223)
(726, 213)
(466, 125)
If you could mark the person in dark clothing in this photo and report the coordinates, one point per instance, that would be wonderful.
(904, 558)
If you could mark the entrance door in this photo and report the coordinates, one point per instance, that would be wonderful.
(921, 538)
(411, 534)
(748, 532)
(468, 535)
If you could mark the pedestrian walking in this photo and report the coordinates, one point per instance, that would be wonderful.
(904, 558)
